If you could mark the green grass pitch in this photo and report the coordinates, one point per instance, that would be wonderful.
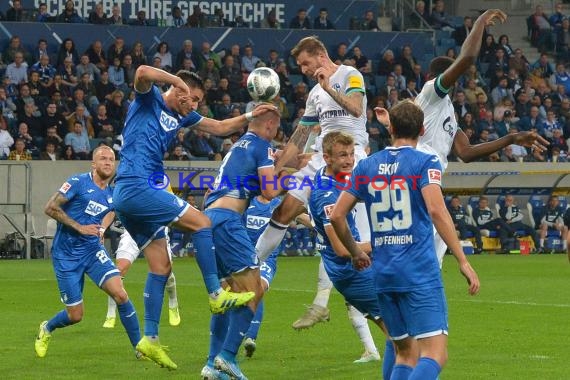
(516, 328)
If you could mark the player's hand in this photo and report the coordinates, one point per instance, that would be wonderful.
(90, 229)
(303, 159)
(322, 75)
(361, 261)
(382, 116)
(181, 89)
(531, 140)
(264, 108)
(491, 16)
(471, 276)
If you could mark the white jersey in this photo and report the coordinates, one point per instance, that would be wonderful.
(322, 109)
(440, 125)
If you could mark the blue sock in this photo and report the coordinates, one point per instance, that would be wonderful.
(218, 331)
(240, 320)
(130, 321)
(401, 372)
(389, 360)
(427, 369)
(256, 322)
(206, 259)
(153, 297)
(60, 320)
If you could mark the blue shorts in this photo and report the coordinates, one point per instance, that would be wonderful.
(420, 313)
(145, 211)
(358, 291)
(234, 250)
(268, 268)
(70, 274)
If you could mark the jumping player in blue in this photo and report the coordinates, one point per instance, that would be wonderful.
(402, 191)
(247, 170)
(356, 287)
(83, 208)
(152, 121)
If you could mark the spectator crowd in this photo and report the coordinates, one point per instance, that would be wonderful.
(62, 104)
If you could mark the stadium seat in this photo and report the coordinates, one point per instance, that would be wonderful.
(500, 202)
(94, 143)
(563, 202)
(472, 203)
(448, 200)
(534, 206)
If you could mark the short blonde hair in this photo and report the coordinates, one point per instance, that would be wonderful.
(336, 138)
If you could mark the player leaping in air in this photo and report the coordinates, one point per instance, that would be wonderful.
(441, 133)
(152, 121)
(337, 103)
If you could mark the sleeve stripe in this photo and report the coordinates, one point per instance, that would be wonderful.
(266, 166)
(354, 89)
(310, 119)
(439, 89)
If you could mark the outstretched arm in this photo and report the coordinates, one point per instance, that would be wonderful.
(467, 152)
(235, 124)
(471, 47)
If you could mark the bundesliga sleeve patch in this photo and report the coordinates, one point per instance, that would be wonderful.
(355, 81)
(65, 187)
(434, 176)
(270, 154)
(328, 210)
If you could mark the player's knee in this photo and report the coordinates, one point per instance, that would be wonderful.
(75, 315)
(121, 297)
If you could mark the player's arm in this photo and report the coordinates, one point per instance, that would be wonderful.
(443, 223)
(53, 209)
(295, 145)
(235, 124)
(145, 76)
(344, 205)
(467, 152)
(271, 183)
(351, 101)
(471, 47)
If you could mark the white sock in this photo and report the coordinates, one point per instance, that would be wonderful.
(324, 287)
(270, 239)
(564, 244)
(360, 325)
(171, 290)
(541, 242)
(111, 308)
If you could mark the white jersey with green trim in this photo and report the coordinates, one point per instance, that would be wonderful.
(322, 109)
(440, 125)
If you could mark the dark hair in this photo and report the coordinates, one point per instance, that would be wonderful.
(406, 119)
(438, 65)
(191, 79)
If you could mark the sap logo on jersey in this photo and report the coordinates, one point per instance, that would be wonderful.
(167, 122)
(94, 208)
(256, 222)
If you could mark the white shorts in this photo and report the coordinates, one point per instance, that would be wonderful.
(302, 193)
(128, 249)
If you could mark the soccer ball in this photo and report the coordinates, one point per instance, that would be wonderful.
(263, 84)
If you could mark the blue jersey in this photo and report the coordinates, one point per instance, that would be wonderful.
(87, 204)
(238, 174)
(322, 200)
(257, 216)
(149, 128)
(402, 231)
